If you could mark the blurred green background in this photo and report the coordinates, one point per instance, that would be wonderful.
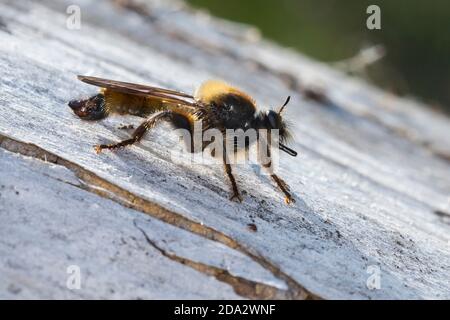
(415, 35)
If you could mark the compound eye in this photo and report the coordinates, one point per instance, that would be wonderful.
(272, 116)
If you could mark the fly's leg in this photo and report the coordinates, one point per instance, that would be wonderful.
(267, 164)
(139, 132)
(284, 188)
(236, 195)
(227, 167)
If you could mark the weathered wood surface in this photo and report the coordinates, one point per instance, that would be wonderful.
(372, 182)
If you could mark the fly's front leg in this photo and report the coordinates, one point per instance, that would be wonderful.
(267, 164)
(284, 188)
(282, 185)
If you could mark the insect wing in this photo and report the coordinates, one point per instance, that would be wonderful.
(167, 95)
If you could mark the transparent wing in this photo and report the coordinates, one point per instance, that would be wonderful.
(167, 95)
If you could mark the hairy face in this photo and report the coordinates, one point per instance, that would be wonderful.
(275, 121)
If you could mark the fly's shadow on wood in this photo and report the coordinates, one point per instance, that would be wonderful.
(4, 26)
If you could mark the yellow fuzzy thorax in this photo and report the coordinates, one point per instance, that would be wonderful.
(211, 89)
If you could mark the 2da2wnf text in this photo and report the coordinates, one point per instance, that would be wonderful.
(226, 309)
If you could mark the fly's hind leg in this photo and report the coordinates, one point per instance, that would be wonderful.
(139, 132)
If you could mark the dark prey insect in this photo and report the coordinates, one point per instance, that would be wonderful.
(216, 104)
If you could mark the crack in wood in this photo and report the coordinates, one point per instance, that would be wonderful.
(93, 183)
(243, 287)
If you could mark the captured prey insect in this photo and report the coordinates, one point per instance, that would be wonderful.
(216, 104)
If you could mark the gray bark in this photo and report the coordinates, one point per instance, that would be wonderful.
(371, 181)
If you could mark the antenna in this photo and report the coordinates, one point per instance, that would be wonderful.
(284, 105)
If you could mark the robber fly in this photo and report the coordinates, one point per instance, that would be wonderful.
(215, 104)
